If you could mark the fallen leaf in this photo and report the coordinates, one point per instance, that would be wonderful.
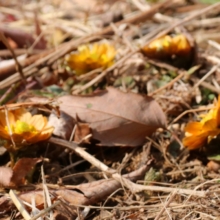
(22, 168)
(82, 130)
(63, 125)
(116, 118)
(84, 194)
(21, 38)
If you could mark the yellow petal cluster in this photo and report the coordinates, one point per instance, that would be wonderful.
(197, 134)
(167, 46)
(20, 127)
(90, 57)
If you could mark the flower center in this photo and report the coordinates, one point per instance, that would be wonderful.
(21, 127)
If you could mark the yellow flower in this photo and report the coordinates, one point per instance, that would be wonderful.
(20, 127)
(200, 133)
(90, 57)
(168, 46)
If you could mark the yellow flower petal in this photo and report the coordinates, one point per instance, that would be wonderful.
(168, 46)
(194, 142)
(24, 128)
(217, 116)
(90, 57)
(193, 127)
(197, 134)
(38, 122)
(26, 117)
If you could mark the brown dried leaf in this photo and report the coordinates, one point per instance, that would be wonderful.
(5, 204)
(115, 117)
(82, 130)
(21, 38)
(63, 125)
(98, 190)
(90, 192)
(21, 169)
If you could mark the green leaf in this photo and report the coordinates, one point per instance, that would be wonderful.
(214, 157)
(89, 105)
(151, 175)
(193, 69)
(209, 1)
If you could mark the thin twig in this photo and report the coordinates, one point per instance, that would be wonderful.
(201, 12)
(43, 212)
(168, 84)
(166, 205)
(206, 85)
(140, 17)
(73, 146)
(189, 111)
(214, 68)
(9, 126)
(124, 181)
(214, 44)
(19, 67)
(19, 205)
